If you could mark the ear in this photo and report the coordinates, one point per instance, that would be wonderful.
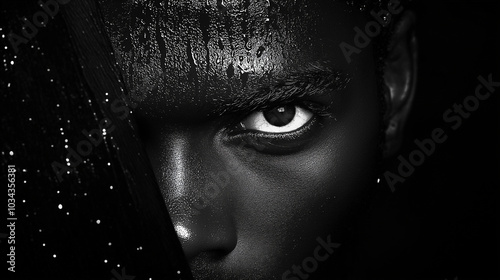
(400, 75)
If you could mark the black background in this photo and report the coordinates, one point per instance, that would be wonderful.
(441, 223)
(444, 219)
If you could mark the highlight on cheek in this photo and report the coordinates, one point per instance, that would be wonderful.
(281, 119)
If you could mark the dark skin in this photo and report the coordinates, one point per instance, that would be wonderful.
(249, 195)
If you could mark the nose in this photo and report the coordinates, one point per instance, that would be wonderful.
(206, 233)
(194, 187)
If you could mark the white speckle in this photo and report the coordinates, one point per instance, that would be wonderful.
(54, 256)
(67, 213)
(24, 201)
(109, 163)
(43, 244)
(110, 187)
(98, 221)
(12, 62)
(109, 244)
(378, 180)
(11, 153)
(59, 206)
(105, 261)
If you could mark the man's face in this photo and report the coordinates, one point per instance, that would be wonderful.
(262, 136)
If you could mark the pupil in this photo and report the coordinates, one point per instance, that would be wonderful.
(280, 116)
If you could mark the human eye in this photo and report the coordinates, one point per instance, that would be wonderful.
(281, 119)
(280, 129)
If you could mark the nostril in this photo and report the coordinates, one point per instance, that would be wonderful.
(208, 248)
(213, 241)
(213, 256)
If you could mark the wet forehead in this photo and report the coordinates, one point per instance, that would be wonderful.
(204, 52)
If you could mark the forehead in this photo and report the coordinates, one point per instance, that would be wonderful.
(199, 53)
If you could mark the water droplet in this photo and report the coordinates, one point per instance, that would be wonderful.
(260, 51)
(230, 71)
(244, 79)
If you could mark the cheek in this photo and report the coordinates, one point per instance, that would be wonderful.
(290, 201)
(328, 175)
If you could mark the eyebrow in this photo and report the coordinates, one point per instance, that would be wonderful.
(314, 79)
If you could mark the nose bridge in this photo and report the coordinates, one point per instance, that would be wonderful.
(193, 186)
(186, 160)
(182, 164)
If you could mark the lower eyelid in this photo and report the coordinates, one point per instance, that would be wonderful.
(275, 144)
(285, 135)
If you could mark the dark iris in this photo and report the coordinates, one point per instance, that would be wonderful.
(280, 116)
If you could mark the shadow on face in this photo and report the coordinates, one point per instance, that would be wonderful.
(263, 137)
